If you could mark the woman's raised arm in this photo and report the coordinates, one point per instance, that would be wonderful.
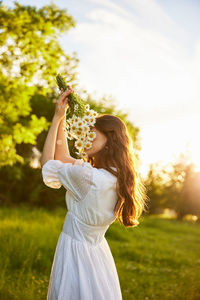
(61, 148)
(49, 145)
(50, 142)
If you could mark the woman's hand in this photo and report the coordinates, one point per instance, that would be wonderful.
(62, 103)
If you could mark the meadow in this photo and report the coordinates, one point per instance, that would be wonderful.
(159, 259)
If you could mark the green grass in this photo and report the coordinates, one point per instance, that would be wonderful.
(159, 259)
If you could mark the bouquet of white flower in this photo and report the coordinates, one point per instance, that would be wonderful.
(79, 118)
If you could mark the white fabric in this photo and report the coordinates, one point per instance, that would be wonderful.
(83, 266)
(75, 178)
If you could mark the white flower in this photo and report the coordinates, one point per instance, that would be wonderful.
(80, 128)
(88, 113)
(80, 123)
(88, 145)
(92, 111)
(75, 119)
(69, 135)
(84, 154)
(74, 134)
(95, 114)
(74, 127)
(78, 134)
(87, 106)
(82, 138)
(92, 120)
(91, 135)
(86, 119)
(79, 144)
(86, 128)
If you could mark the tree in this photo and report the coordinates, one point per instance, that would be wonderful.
(182, 189)
(174, 186)
(156, 183)
(30, 58)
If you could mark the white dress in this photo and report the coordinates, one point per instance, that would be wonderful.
(83, 266)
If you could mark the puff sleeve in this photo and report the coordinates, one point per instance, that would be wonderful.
(75, 178)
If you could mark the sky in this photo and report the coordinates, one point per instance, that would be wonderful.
(146, 55)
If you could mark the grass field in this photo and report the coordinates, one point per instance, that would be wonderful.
(159, 259)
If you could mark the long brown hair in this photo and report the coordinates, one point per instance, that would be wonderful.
(118, 152)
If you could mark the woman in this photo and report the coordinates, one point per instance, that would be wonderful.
(99, 190)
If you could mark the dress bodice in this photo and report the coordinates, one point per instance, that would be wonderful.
(90, 198)
(83, 232)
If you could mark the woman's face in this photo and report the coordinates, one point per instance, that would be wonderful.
(98, 143)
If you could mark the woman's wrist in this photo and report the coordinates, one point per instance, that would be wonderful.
(57, 119)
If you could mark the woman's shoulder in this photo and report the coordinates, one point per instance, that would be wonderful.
(99, 172)
(106, 175)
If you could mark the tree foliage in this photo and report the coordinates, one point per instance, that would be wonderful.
(174, 186)
(30, 57)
